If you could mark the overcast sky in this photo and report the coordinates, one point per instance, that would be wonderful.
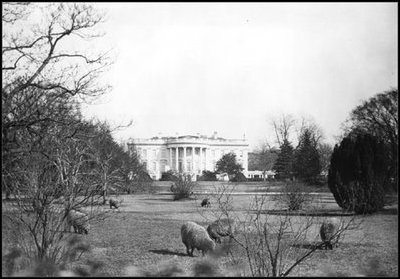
(192, 68)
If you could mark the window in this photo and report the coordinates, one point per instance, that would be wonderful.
(154, 153)
(164, 153)
(154, 166)
(144, 153)
(213, 153)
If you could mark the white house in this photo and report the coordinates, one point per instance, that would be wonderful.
(187, 154)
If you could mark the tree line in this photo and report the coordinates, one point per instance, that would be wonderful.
(53, 159)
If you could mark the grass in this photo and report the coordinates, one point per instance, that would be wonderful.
(145, 232)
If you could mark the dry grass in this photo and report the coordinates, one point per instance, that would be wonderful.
(145, 232)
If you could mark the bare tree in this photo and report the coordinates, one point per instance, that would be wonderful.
(48, 185)
(283, 126)
(38, 65)
(309, 124)
(272, 244)
(48, 163)
(266, 158)
(42, 73)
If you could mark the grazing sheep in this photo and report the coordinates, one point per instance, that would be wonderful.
(113, 203)
(196, 236)
(221, 228)
(205, 202)
(79, 221)
(328, 231)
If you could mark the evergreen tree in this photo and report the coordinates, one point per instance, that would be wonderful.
(228, 164)
(358, 173)
(284, 163)
(306, 158)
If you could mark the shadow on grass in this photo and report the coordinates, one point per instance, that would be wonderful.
(319, 213)
(389, 211)
(168, 252)
(309, 246)
(169, 199)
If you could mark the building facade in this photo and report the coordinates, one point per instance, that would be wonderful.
(188, 154)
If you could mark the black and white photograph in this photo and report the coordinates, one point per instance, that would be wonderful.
(187, 139)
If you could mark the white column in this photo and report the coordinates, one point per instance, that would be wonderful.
(184, 159)
(170, 158)
(201, 159)
(205, 158)
(176, 158)
(193, 165)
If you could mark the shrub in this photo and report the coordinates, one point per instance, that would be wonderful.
(208, 176)
(169, 176)
(294, 196)
(239, 177)
(183, 188)
(358, 173)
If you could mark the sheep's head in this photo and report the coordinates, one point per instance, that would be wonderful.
(210, 245)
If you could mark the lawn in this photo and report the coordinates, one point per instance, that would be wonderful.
(145, 232)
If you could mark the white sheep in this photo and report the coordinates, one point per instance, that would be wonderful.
(196, 236)
(79, 221)
(221, 228)
(329, 232)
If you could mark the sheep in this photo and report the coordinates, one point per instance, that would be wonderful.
(328, 232)
(113, 203)
(196, 236)
(221, 228)
(79, 221)
(205, 202)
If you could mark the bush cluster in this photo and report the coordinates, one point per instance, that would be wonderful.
(169, 176)
(239, 177)
(208, 176)
(294, 196)
(183, 188)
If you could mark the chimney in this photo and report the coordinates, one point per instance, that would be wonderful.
(214, 135)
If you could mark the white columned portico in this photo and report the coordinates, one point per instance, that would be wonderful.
(184, 159)
(176, 159)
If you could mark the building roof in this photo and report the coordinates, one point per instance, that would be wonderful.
(197, 139)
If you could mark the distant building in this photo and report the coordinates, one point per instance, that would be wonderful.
(257, 174)
(187, 154)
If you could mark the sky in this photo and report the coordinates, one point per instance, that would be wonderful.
(191, 68)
